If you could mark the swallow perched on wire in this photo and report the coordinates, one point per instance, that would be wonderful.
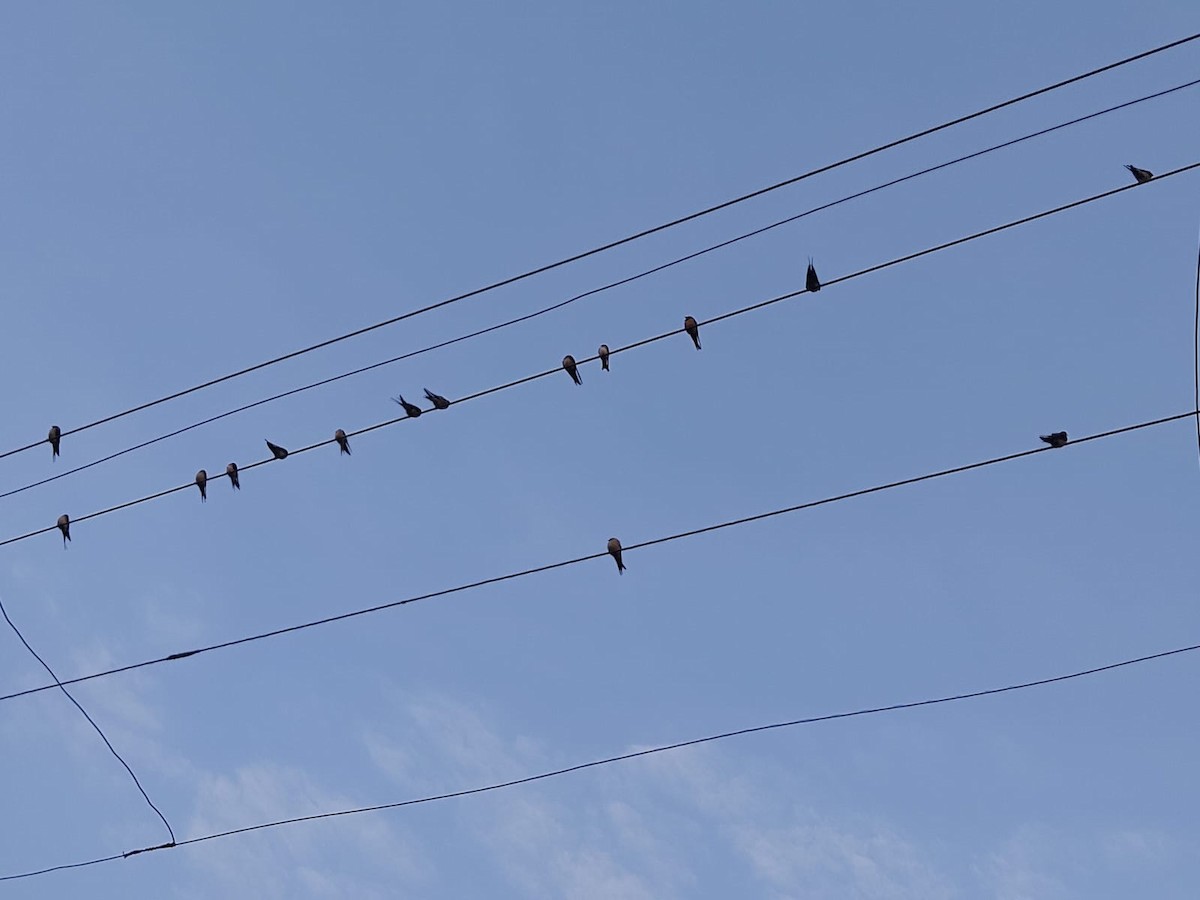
(614, 550)
(1056, 439)
(343, 442)
(64, 525)
(604, 357)
(231, 471)
(572, 369)
(438, 401)
(277, 451)
(693, 329)
(54, 437)
(1141, 175)
(202, 483)
(411, 408)
(812, 283)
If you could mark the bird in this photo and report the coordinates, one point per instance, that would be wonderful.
(693, 330)
(64, 525)
(202, 483)
(438, 401)
(614, 550)
(811, 282)
(277, 451)
(572, 369)
(604, 357)
(54, 437)
(1141, 175)
(1056, 439)
(411, 408)
(343, 442)
(231, 471)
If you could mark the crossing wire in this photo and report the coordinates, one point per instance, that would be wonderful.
(594, 291)
(637, 344)
(619, 242)
(733, 523)
(623, 757)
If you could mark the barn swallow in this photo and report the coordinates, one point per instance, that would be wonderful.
(604, 357)
(411, 408)
(202, 483)
(438, 401)
(693, 330)
(1141, 175)
(277, 451)
(614, 550)
(811, 282)
(54, 437)
(64, 525)
(231, 471)
(343, 442)
(1056, 439)
(572, 369)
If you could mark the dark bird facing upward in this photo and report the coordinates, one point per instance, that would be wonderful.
(604, 357)
(812, 283)
(438, 401)
(64, 525)
(54, 437)
(693, 330)
(1141, 175)
(572, 369)
(410, 408)
(343, 442)
(277, 451)
(231, 471)
(202, 483)
(614, 550)
(1057, 439)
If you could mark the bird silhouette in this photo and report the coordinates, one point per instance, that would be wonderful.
(693, 330)
(343, 442)
(231, 471)
(411, 408)
(1056, 439)
(438, 401)
(614, 550)
(1141, 175)
(811, 282)
(202, 483)
(277, 451)
(54, 437)
(604, 357)
(64, 525)
(572, 369)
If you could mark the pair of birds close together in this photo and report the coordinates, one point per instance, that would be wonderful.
(438, 401)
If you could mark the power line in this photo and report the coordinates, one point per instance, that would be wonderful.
(90, 720)
(609, 286)
(811, 504)
(617, 243)
(642, 343)
(625, 757)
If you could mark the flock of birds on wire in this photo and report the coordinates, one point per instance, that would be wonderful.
(812, 284)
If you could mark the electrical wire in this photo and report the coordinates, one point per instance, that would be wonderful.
(642, 343)
(625, 757)
(91, 721)
(811, 504)
(609, 286)
(617, 243)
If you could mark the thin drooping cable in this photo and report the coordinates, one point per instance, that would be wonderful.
(91, 721)
(606, 287)
(625, 757)
(732, 523)
(636, 344)
(617, 243)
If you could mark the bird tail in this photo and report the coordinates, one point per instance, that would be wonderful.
(604, 364)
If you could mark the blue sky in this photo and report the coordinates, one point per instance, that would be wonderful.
(189, 190)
